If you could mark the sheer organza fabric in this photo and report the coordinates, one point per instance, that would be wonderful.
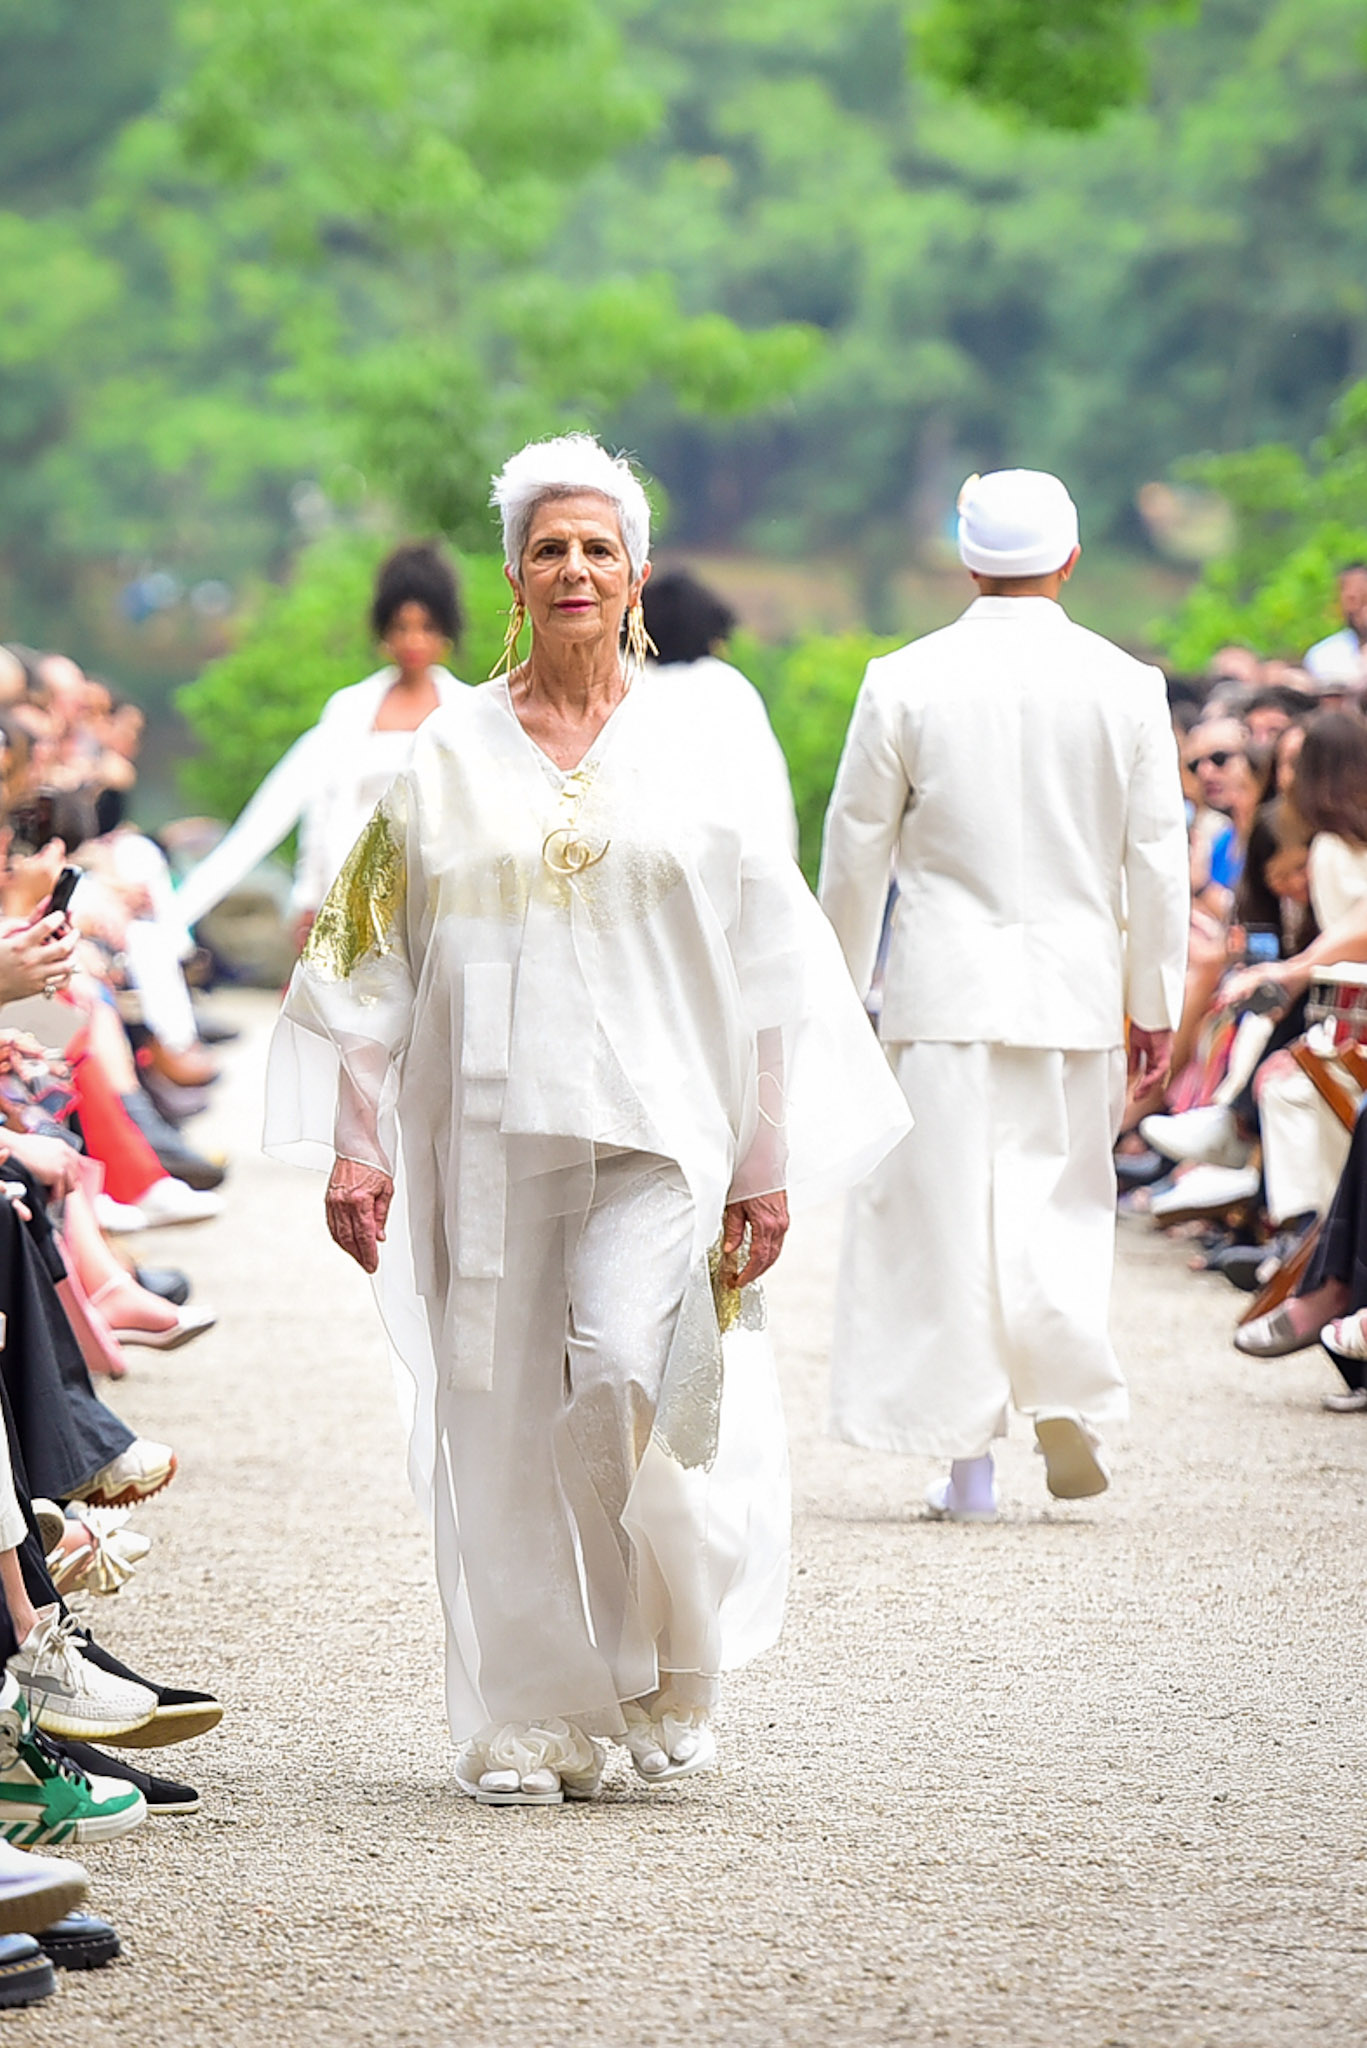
(574, 1014)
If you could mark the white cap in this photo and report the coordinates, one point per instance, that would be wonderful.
(1016, 522)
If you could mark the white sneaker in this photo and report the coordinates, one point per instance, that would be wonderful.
(136, 1474)
(1209, 1134)
(36, 1891)
(1206, 1190)
(118, 1219)
(67, 1694)
(168, 1200)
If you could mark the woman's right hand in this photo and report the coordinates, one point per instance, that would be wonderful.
(358, 1199)
(31, 879)
(34, 955)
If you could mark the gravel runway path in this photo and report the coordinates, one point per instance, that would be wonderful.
(1088, 1778)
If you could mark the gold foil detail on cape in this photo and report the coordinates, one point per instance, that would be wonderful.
(688, 1417)
(362, 906)
(688, 1414)
(737, 1308)
(722, 1268)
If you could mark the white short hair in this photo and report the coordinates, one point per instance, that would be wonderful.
(561, 468)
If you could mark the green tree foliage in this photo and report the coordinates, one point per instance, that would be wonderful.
(1058, 63)
(246, 245)
(1191, 276)
(1298, 521)
(314, 257)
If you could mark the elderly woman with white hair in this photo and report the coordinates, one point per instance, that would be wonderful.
(567, 1031)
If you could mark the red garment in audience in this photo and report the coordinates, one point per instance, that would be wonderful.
(130, 1165)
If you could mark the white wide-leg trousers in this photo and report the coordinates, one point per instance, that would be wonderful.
(1305, 1147)
(977, 1261)
(580, 1565)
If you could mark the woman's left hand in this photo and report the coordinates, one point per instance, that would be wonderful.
(767, 1216)
(357, 1203)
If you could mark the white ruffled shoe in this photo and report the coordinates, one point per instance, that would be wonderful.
(525, 1763)
(669, 1741)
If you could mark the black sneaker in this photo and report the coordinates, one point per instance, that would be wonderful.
(163, 1795)
(180, 1714)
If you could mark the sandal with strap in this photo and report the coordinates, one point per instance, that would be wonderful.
(95, 1552)
(187, 1323)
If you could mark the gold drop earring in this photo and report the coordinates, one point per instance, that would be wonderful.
(639, 642)
(510, 658)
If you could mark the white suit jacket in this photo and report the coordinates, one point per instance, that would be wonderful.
(1023, 774)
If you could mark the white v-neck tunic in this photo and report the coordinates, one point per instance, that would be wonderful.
(553, 991)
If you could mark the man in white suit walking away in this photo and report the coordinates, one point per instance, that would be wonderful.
(1019, 776)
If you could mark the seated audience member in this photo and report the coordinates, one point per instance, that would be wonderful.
(1272, 710)
(1330, 1304)
(1234, 663)
(1232, 776)
(1303, 1142)
(1338, 658)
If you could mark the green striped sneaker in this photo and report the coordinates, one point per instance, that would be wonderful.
(44, 1799)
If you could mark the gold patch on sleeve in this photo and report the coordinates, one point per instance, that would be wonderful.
(363, 905)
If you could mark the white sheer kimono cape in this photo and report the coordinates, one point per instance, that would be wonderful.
(520, 971)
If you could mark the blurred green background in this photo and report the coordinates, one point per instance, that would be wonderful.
(279, 284)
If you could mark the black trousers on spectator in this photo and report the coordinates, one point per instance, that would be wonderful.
(65, 1431)
(1341, 1253)
(32, 1563)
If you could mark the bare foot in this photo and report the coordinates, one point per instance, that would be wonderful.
(1309, 1313)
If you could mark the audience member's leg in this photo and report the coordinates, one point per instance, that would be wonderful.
(130, 1165)
(65, 1432)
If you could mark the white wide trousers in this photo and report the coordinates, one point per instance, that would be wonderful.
(579, 1564)
(1305, 1147)
(977, 1260)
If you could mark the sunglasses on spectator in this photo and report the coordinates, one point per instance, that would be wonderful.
(1221, 758)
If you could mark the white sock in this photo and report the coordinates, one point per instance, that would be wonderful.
(972, 1485)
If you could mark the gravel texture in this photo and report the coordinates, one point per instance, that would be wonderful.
(1088, 1776)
